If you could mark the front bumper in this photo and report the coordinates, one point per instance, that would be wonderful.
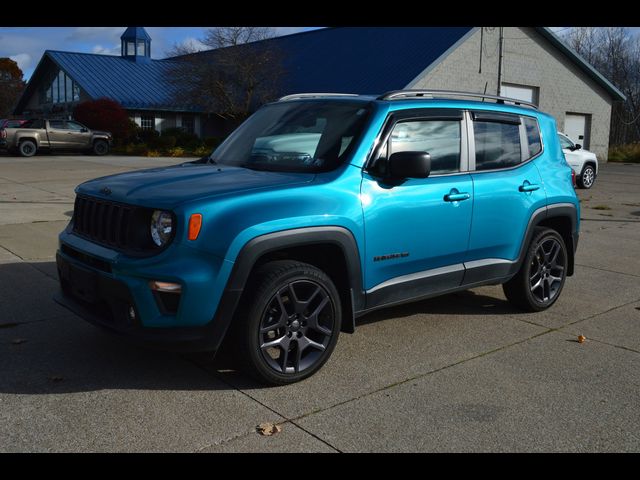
(113, 292)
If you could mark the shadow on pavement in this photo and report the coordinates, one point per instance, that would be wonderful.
(45, 349)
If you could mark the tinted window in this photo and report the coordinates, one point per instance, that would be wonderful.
(74, 126)
(497, 145)
(37, 123)
(565, 142)
(56, 124)
(439, 138)
(314, 136)
(533, 136)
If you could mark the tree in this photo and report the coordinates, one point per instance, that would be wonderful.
(11, 86)
(615, 53)
(105, 114)
(239, 74)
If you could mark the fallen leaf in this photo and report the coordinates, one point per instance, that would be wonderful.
(56, 378)
(18, 341)
(267, 429)
(581, 338)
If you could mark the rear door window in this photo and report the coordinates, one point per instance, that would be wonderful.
(497, 140)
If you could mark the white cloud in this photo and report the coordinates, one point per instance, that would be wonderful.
(99, 49)
(23, 60)
(86, 34)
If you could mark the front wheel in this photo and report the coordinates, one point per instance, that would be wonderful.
(587, 177)
(538, 283)
(100, 147)
(291, 323)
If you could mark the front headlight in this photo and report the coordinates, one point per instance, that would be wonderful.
(161, 227)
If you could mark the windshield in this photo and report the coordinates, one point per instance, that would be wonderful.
(295, 137)
(565, 142)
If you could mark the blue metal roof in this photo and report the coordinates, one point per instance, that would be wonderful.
(134, 85)
(364, 60)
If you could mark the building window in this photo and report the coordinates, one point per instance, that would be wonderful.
(131, 48)
(188, 124)
(147, 122)
(525, 93)
(60, 89)
(141, 51)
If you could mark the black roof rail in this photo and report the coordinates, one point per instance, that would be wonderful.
(430, 94)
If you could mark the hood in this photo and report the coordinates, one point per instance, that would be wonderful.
(169, 186)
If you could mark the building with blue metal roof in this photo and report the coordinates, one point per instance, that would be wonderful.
(531, 64)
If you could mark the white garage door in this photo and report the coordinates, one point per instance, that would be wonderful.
(576, 125)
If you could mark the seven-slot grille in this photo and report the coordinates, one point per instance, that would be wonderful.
(102, 222)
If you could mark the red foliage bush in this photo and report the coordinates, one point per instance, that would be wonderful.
(105, 114)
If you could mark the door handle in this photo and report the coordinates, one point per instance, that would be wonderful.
(456, 197)
(528, 187)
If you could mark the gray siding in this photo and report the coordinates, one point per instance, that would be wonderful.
(528, 59)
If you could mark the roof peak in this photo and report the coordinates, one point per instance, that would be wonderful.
(138, 33)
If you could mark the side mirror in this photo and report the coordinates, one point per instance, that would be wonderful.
(410, 165)
(577, 146)
(84, 130)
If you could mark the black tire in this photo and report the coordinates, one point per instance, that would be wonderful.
(100, 147)
(587, 177)
(27, 148)
(540, 280)
(262, 332)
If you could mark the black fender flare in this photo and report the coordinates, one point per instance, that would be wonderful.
(543, 213)
(270, 242)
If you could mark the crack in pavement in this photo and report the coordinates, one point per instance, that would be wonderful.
(607, 270)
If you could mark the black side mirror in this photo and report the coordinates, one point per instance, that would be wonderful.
(84, 130)
(410, 165)
(577, 146)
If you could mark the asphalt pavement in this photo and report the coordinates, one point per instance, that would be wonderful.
(464, 372)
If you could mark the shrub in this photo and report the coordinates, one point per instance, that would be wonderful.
(183, 138)
(105, 114)
(629, 153)
(162, 142)
(212, 142)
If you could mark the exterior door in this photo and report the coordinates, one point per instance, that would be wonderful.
(78, 135)
(417, 230)
(507, 189)
(57, 133)
(576, 126)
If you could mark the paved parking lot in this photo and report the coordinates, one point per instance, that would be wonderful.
(464, 372)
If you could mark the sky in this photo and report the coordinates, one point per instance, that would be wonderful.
(26, 45)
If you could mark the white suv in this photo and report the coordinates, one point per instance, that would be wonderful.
(583, 162)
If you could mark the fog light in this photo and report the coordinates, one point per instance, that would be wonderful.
(132, 313)
(166, 287)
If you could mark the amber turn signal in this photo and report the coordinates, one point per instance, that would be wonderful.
(195, 223)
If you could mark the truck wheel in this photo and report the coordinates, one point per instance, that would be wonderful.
(587, 177)
(27, 148)
(538, 283)
(290, 323)
(100, 147)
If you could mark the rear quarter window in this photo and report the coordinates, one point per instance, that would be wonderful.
(533, 135)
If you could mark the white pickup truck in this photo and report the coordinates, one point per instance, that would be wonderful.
(38, 134)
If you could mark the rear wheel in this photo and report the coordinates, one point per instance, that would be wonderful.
(27, 148)
(587, 177)
(290, 324)
(538, 283)
(100, 147)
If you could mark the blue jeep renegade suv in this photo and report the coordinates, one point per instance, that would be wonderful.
(317, 210)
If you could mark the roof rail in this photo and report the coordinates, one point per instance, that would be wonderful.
(315, 95)
(404, 94)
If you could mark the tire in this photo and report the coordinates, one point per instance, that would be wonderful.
(587, 177)
(27, 148)
(544, 265)
(100, 147)
(275, 331)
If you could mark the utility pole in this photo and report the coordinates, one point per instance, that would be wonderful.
(500, 41)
